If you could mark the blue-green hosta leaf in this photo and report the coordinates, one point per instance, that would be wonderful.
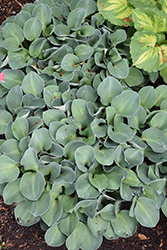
(78, 109)
(145, 52)
(68, 225)
(118, 36)
(75, 240)
(147, 96)
(164, 208)
(138, 119)
(20, 128)
(108, 212)
(158, 185)
(88, 5)
(119, 157)
(118, 12)
(86, 30)
(163, 73)
(99, 127)
(119, 69)
(23, 216)
(75, 18)
(70, 62)
(12, 78)
(43, 12)
(36, 46)
(9, 169)
(67, 133)
(87, 93)
(32, 28)
(110, 234)
(125, 225)
(28, 7)
(83, 52)
(87, 207)
(103, 155)
(61, 30)
(39, 207)
(54, 237)
(127, 103)
(134, 78)
(159, 121)
(19, 59)
(91, 241)
(70, 148)
(40, 140)
(67, 175)
(11, 149)
(11, 192)
(161, 94)
(126, 192)
(142, 172)
(32, 185)
(30, 160)
(54, 212)
(51, 92)
(84, 157)
(52, 115)
(156, 139)
(14, 98)
(33, 83)
(84, 188)
(146, 212)
(121, 133)
(149, 19)
(115, 177)
(134, 157)
(12, 30)
(98, 225)
(131, 179)
(21, 18)
(108, 89)
(99, 181)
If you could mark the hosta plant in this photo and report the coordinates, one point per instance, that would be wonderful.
(85, 137)
(148, 22)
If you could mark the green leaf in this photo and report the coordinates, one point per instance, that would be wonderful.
(124, 226)
(69, 62)
(68, 225)
(54, 212)
(12, 30)
(12, 78)
(33, 83)
(161, 94)
(87, 207)
(5, 119)
(121, 133)
(10, 148)
(104, 155)
(144, 47)
(99, 181)
(39, 207)
(32, 28)
(75, 240)
(23, 216)
(88, 5)
(146, 212)
(20, 128)
(75, 18)
(11, 192)
(54, 237)
(97, 225)
(19, 59)
(36, 46)
(84, 157)
(110, 234)
(84, 188)
(99, 127)
(117, 12)
(138, 119)
(30, 160)
(156, 139)
(14, 98)
(119, 69)
(147, 96)
(32, 185)
(108, 212)
(134, 78)
(87, 93)
(61, 30)
(127, 103)
(118, 36)
(151, 19)
(43, 13)
(143, 3)
(9, 169)
(21, 18)
(86, 30)
(40, 140)
(159, 121)
(52, 115)
(67, 133)
(131, 179)
(108, 89)
(125, 192)
(91, 242)
(83, 52)
(78, 109)
(164, 208)
(134, 157)
(115, 177)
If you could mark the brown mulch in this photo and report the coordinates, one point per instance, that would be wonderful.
(14, 236)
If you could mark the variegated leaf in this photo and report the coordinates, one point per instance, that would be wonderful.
(118, 12)
(143, 3)
(164, 5)
(145, 52)
(149, 19)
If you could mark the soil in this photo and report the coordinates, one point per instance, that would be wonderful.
(14, 236)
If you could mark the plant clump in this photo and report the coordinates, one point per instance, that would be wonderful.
(84, 131)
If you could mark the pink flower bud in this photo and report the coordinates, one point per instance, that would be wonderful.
(2, 75)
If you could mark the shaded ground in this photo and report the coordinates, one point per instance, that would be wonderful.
(14, 236)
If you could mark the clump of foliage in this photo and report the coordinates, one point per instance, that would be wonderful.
(149, 27)
(84, 132)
